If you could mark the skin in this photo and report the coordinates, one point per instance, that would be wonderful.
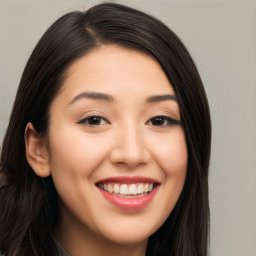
(126, 141)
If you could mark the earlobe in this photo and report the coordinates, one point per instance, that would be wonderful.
(36, 151)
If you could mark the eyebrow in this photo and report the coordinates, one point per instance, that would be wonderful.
(106, 97)
(93, 95)
(157, 98)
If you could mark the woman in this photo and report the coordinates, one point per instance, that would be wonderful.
(107, 148)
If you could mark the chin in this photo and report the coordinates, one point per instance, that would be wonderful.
(126, 238)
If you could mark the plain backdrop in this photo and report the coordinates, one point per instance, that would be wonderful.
(221, 36)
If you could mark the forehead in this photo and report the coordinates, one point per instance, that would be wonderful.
(113, 69)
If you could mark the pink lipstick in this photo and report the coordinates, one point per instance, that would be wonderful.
(129, 193)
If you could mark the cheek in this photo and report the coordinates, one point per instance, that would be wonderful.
(75, 156)
(171, 156)
(75, 151)
(171, 153)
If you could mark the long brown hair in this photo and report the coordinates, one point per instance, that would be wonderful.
(28, 208)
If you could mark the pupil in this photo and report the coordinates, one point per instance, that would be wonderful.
(158, 121)
(94, 120)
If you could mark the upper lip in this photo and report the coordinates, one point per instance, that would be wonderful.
(129, 180)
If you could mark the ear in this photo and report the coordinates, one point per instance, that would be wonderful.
(36, 152)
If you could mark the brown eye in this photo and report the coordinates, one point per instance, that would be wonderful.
(159, 120)
(162, 121)
(93, 121)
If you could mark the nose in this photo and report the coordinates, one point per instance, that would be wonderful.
(130, 148)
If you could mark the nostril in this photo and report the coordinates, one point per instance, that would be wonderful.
(131, 159)
(130, 149)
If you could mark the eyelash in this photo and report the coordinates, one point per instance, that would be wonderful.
(86, 120)
(164, 121)
(167, 121)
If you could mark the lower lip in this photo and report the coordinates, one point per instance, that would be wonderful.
(130, 204)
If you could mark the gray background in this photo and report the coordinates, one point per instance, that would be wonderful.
(221, 36)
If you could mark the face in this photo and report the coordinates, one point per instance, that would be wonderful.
(117, 150)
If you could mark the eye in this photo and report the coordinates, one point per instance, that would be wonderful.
(162, 121)
(94, 121)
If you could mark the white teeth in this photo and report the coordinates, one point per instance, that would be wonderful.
(116, 189)
(140, 189)
(110, 189)
(124, 189)
(146, 188)
(127, 189)
(132, 189)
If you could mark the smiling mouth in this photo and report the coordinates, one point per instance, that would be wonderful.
(127, 190)
(129, 193)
